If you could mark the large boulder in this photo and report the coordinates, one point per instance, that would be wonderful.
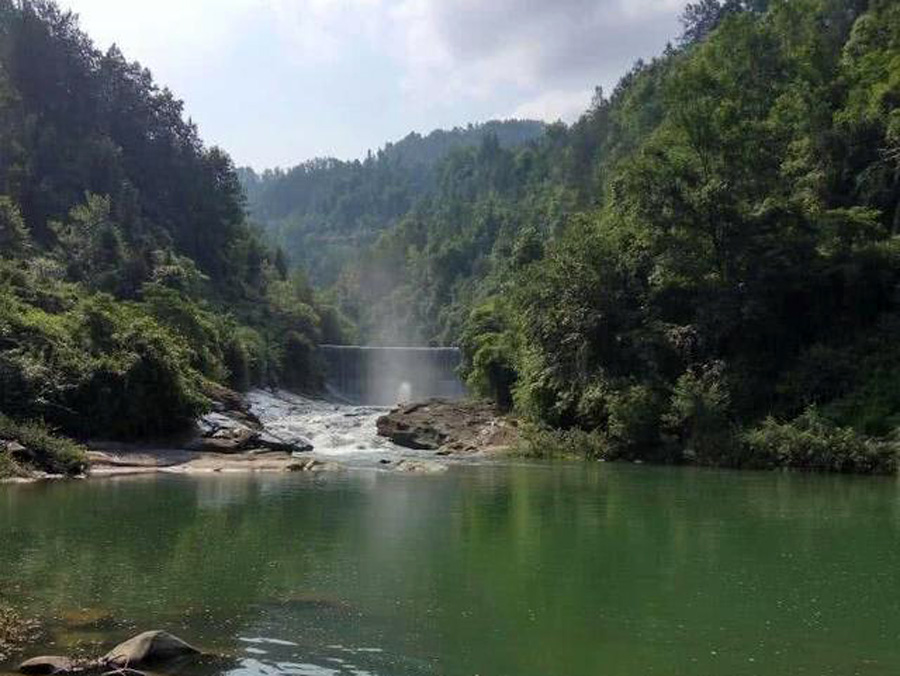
(47, 665)
(285, 441)
(228, 401)
(420, 435)
(220, 433)
(149, 648)
(449, 427)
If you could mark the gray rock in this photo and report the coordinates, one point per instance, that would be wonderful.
(151, 647)
(223, 434)
(313, 465)
(420, 467)
(211, 423)
(47, 665)
(418, 436)
(284, 442)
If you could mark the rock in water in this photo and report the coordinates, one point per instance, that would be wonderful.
(47, 665)
(449, 427)
(313, 465)
(419, 435)
(420, 467)
(151, 647)
(290, 443)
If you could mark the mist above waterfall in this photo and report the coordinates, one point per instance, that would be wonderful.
(384, 376)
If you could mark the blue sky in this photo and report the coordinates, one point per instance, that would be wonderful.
(276, 82)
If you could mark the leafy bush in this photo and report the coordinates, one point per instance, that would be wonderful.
(813, 442)
(488, 343)
(44, 450)
(634, 422)
(102, 368)
(203, 331)
(856, 384)
(698, 418)
(13, 233)
(545, 443)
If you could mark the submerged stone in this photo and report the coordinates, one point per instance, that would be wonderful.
(313, 465)
(420, 467)
(151, 647)
(47, 665)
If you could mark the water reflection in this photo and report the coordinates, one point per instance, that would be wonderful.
(519, 570)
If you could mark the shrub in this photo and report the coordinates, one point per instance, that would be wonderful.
(103, 368)
(489, 350)
(813, 442)
(634, 422)
(203, 331)
(698, 420)
(492, 373)
(44, 450)
(544, 443)
(857, 384)
(13, 234)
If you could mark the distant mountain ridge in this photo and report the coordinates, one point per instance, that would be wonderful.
(321, 210)
(417, 149)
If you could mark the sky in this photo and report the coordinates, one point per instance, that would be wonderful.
(276, 82)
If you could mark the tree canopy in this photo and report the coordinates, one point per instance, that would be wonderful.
(131, 284)
(712, 244)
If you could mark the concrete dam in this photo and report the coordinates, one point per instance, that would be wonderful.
(384, 376)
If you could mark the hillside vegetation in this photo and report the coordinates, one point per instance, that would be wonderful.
(704, 268)
(325, 210)
(131, 287)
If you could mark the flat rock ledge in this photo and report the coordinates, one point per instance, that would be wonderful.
(230, 439)
(166, 461)
(450, 427)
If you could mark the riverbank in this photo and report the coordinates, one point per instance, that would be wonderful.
(263, 431)
(278, 431)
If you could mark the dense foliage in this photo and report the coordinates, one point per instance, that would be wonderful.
(31, 446)
(708, 252)
(131, 286)
(325, 210)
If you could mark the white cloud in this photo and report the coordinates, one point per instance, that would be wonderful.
(436, 59)
(321, 30)
(159, 33)
(553, 106)
(550, 52)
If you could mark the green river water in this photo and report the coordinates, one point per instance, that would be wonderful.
(487, 570)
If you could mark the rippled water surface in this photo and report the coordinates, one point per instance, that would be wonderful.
(494, 570)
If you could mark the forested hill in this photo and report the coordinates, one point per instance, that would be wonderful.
(131, 287)
(324, 210)
(706, 266)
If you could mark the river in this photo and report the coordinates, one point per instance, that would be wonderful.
(488, 569)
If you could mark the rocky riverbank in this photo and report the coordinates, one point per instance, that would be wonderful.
(274, 431)
(231, 438)
(450, 427)
(152, 649)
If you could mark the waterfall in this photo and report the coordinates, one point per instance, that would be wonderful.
(383, 376)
